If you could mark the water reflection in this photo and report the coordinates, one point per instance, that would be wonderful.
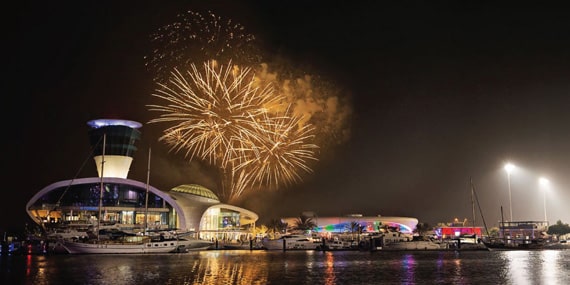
(408, 268)
(439, 269)
(28, 264)
(225, 269)
(458, 275)
(294, 267)
(329, 277)
(550, 266)
(536, 267)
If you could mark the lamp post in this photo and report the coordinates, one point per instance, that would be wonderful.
(544, 183)
(509, 168)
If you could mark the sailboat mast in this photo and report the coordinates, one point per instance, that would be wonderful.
(503, 225)
(479, 207)
(146, 198)
(472, 205)
(100, 220)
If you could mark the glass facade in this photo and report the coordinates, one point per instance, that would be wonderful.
(120, 140)
(121, 203)
(223, 224)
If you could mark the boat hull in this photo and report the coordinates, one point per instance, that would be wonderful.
(120, 248)
(413, 245)
(503, 247)
(193, 245)
(290, 242)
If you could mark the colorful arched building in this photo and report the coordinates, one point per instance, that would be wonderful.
(344, 224)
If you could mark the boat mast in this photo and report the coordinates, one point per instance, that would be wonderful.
(58, 203)
(503, 225)
(100, 220)
(472, 206)
(479, 207)
(146, 198)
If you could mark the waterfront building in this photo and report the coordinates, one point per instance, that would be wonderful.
(130, 204)
(452, 232)
(523, 231)
(342, 225)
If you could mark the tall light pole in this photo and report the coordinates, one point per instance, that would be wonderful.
(544, 183)
(509, 168)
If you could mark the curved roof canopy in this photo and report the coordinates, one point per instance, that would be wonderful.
(97, 180)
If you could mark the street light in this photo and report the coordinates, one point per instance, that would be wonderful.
(509, 168)
(544, 183)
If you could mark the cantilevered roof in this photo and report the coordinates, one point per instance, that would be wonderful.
(197, 190)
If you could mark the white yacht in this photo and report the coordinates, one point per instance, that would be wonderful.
(291, 241)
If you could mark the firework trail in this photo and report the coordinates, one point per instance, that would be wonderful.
(276, 157)
(257, 139)
(196, 38)
(211, 107)
(221, 115)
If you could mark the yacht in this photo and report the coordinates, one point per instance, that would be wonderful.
(291, 241)
(129, 243)
(417, 243)
(126, 244)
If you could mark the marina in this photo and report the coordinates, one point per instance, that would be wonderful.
(113, 214)
(311, 143)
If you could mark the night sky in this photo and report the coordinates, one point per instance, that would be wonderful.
(441, 92)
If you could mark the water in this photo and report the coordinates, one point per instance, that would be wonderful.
(292, 267)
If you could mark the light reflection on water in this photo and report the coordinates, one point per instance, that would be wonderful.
(538, 267)
(550, 265)
(292, 267)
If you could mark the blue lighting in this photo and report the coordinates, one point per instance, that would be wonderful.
(99, 123)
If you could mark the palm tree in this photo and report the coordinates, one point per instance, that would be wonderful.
(353, 228)
(356, 227)
(304, 224)
(259, 231)
(276, 226)
(422, 228)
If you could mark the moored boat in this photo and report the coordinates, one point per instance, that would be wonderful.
(502, 244)
(417, 243)
(193, 244)
(126, 244)
(118, 241)
(467, 242)
(292, 241)
(520, 235)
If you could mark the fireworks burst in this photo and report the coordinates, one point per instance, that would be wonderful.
(196, 38)
(231, 117)
(280, 152)
(222, 115)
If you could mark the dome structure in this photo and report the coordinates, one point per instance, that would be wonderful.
(197, 190)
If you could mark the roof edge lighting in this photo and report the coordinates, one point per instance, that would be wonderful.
(99, 123)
